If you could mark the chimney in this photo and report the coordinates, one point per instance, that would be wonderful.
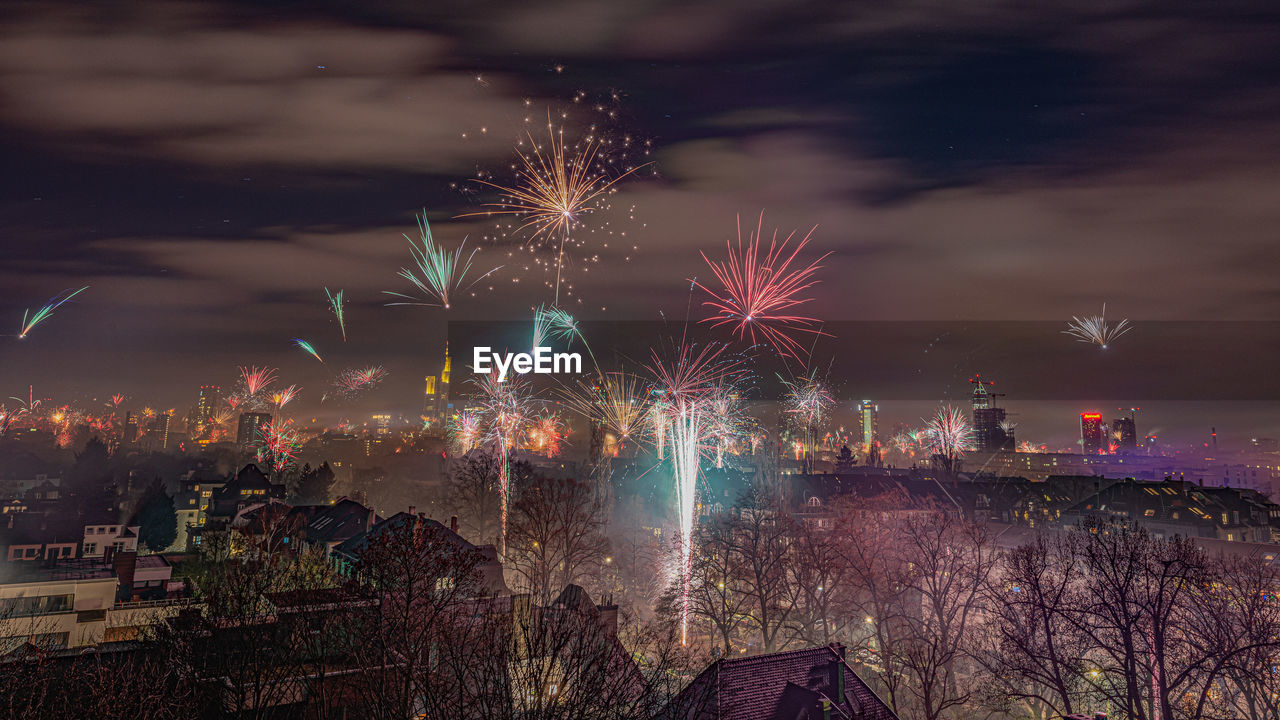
(837, 671)
(368, 523)
(453, 523)
(124, 563)
(609, 617)
(413, 509)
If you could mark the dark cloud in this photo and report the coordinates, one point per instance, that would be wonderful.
(209, 168)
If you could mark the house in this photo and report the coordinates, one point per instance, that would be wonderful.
(811, 684)
(490, 581)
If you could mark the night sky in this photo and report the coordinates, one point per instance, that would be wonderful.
(207, 169)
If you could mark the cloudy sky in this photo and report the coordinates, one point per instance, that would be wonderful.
(207, 169)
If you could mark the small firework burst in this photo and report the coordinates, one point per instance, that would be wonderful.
(761, 290)
(465, 432)
(256, 379)
(353, 381)
(280, 444)
(546, 434)
(285, 396)
(949, 433)
(31, 320)
(1095, 330)
(616, 402)
(441, 274)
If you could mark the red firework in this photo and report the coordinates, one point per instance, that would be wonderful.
(762, 290)
(256, 378)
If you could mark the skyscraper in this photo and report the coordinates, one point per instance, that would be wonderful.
(130, 427)
(990, 432)
(1093, 434)
(436, 408)
(1124, 434)
(249, 431)
(158, 433)
(206, 406)
(867, 412)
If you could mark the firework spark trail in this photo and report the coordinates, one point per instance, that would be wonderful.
(762, 293)
(1095, 330)
(256, 379)
(553, 190)
(308, 348)
(335, 305)
(45, 312)
(949, 433)
(505, 408)
(117, 399)
(442, 272)
(686, 384)
(9, 417)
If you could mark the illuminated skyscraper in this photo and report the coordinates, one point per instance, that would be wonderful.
(867, 413)
(249, 432)
(382, 424)
(436, 408)
(206, 406)
(1093, 434)
(990, 431)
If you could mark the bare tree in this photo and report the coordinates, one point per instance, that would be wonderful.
(471, 493)
(714, 594)
(555, 535)
(761, 563)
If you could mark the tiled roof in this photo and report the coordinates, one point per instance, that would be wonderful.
(785, 685)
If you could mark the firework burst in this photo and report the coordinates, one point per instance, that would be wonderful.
(336, 303)
(441, 274)
(31, 320)
(546, 434)
(616, 402)
(949, 433)
(284, 397)
(555, 187)
(307, 348)
(280, 445)
(465, 432)
(762, 291)
(9, 417)
(255, 379)
(1095, 329)
(353, 381)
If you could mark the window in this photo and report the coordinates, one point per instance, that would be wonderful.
(90, 548)
(814, 501)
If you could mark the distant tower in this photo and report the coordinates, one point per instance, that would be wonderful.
(206, 406)
(1093, 434)
(249, 431)
(160, 430)
(868, 413)
(382, 424)
(989, 428)
(436, 408)
(130, 427)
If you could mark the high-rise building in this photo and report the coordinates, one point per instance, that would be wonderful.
(249, 431)
(382, 424)
(436, 407)
(1093, 434)
(867, 413)
(991, 433)
(206, 406)
(130, 427)
(1124, 434)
